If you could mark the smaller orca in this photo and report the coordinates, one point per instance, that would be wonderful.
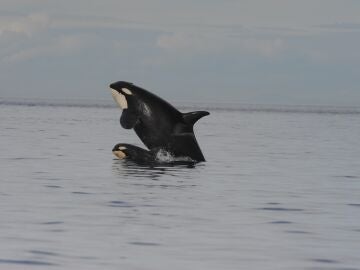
(128, 151)
(141, 156)
(158, 124)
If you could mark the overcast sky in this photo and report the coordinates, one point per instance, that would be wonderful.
(246, 51)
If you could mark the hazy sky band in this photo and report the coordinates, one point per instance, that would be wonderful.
(268, 52)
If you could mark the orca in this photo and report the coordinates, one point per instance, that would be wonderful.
(145, 157)
(128, 151)
(159, 125)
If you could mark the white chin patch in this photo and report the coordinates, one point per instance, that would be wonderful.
(119, 154)
(119, 99)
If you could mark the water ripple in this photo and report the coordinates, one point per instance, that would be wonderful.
(120, 204)
(281, 209)
(81, 193)
(52, 223)
(329, 261)
(52, 186)
(26, 262)
(281, 222)
(144, 244)
(40, 252)
(298, 232)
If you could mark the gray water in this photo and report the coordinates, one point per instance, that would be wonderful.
(280, 190)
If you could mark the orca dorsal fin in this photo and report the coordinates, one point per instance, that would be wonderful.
(191, 117)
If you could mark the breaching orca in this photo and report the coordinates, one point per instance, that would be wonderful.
(157, 123)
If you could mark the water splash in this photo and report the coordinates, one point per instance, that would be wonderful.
(164, 156)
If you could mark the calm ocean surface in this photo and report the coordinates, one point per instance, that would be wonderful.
(280, 190)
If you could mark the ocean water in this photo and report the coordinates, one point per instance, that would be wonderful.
(280, 190)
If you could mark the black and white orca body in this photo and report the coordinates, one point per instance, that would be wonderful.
(157, 123)
(128, 151)
(145, 157)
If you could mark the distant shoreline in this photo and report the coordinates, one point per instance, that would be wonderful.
(325, 109)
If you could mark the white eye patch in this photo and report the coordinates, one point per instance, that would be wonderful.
(126, 91)
(122, 148)
(119, 99)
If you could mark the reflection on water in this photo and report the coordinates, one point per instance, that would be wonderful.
(130, 168)
(177, 175)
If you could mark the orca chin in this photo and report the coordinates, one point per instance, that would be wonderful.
(119, 154)
(119, 99)
(157, 123)
(135, 153)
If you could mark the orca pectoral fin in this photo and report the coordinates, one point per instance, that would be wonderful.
(192, 117)
(128, 119)
(185, 145)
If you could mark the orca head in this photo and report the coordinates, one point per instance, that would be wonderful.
(120, 151)
(132, 152)
(121, 93)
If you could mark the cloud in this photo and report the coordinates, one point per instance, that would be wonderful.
(23, 38)
(182, 41)
(26, 25)
(21, 32)
(342, 26)
(200, 43)
(264, 47)
(58, 46)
